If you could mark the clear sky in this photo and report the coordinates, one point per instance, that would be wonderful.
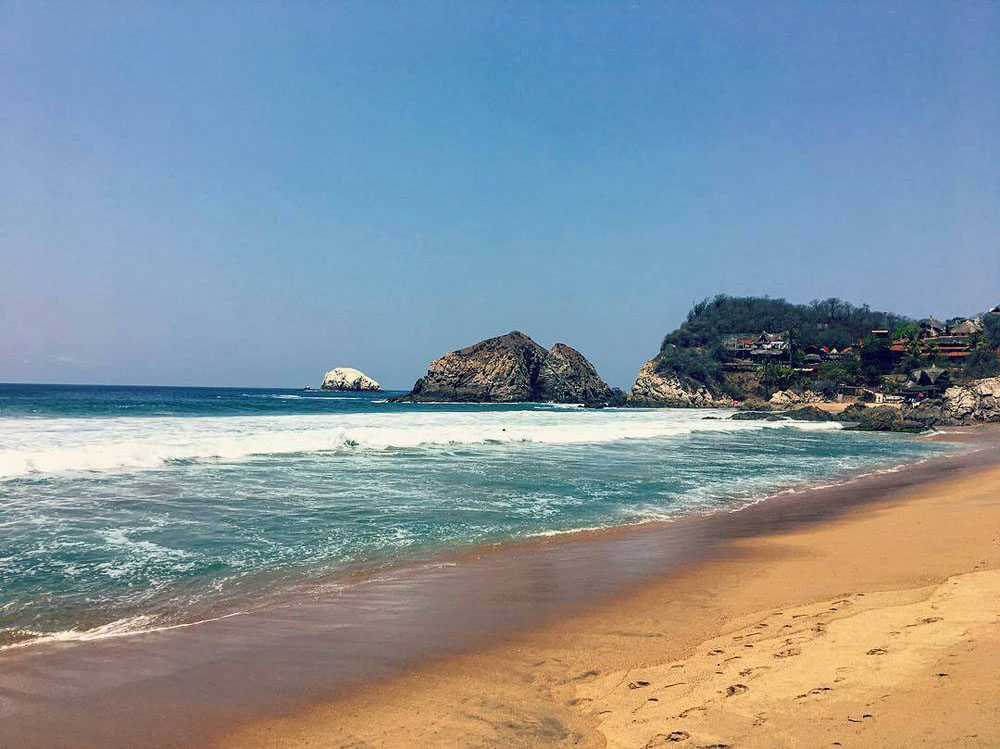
(240, 193)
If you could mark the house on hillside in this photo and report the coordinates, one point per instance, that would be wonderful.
(951, 347)
(931, 327)
(756, 347)
(769, 346)
(929, 382)
(965, 328)
(738, 345)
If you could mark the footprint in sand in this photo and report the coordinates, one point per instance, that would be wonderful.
(667, 738)
(690, 710)
(788, 652)
(877, 651)
(735, 689)
(637, 684)
(816, 692)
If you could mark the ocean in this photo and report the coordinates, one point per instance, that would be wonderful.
(134, 508)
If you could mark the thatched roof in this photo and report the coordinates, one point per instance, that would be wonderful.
(929, 376)
(966, 327)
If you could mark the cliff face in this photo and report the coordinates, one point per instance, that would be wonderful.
(567, 377)
(347, 378)
(654, 388)
(513, 368)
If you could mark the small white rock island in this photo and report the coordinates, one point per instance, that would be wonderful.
(348, 378)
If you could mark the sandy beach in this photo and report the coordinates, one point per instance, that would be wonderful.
(879, 626)
(861, 614)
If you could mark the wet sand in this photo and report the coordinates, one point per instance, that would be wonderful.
(516, 645)
(875, 626)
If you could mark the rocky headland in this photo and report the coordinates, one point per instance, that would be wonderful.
(655, 386)
(513, 368)
(348, 378)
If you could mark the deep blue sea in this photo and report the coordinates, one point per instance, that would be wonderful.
(126, 508)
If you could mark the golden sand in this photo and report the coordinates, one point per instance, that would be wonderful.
(880, 628)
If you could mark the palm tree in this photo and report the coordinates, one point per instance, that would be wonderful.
(792, 336)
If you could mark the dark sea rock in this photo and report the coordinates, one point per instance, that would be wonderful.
(753, 416)
(754, 405)
(852, 412)
(807, 413)
(513, 368)
(934, 412)
(882, 419)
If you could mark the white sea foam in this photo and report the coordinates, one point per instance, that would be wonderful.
(126, 627)
(31, 447)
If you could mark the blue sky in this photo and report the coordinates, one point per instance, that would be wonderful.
(251, 193)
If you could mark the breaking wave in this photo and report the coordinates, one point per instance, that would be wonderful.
(33, 447)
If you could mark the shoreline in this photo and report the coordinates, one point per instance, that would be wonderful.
(515, 588)
(367, 572)
(579, 681)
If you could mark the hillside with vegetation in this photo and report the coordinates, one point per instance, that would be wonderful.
(750, 347)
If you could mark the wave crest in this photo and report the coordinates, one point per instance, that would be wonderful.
(52, 446)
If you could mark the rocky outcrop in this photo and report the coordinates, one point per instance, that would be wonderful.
(567, 377)
(756, 416)
(806, 413)
(654, 388)
(976, 402)
(879, 419)
(513, 368)
(784, 398)
(347, 378)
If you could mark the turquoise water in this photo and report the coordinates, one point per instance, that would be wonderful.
(129, 508)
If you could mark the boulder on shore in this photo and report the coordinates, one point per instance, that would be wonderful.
(513, 368)
(785, 398)
(348, 378)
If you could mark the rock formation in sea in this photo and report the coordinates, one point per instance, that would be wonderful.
(657, 387)
(513, 368)
(348, 378)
